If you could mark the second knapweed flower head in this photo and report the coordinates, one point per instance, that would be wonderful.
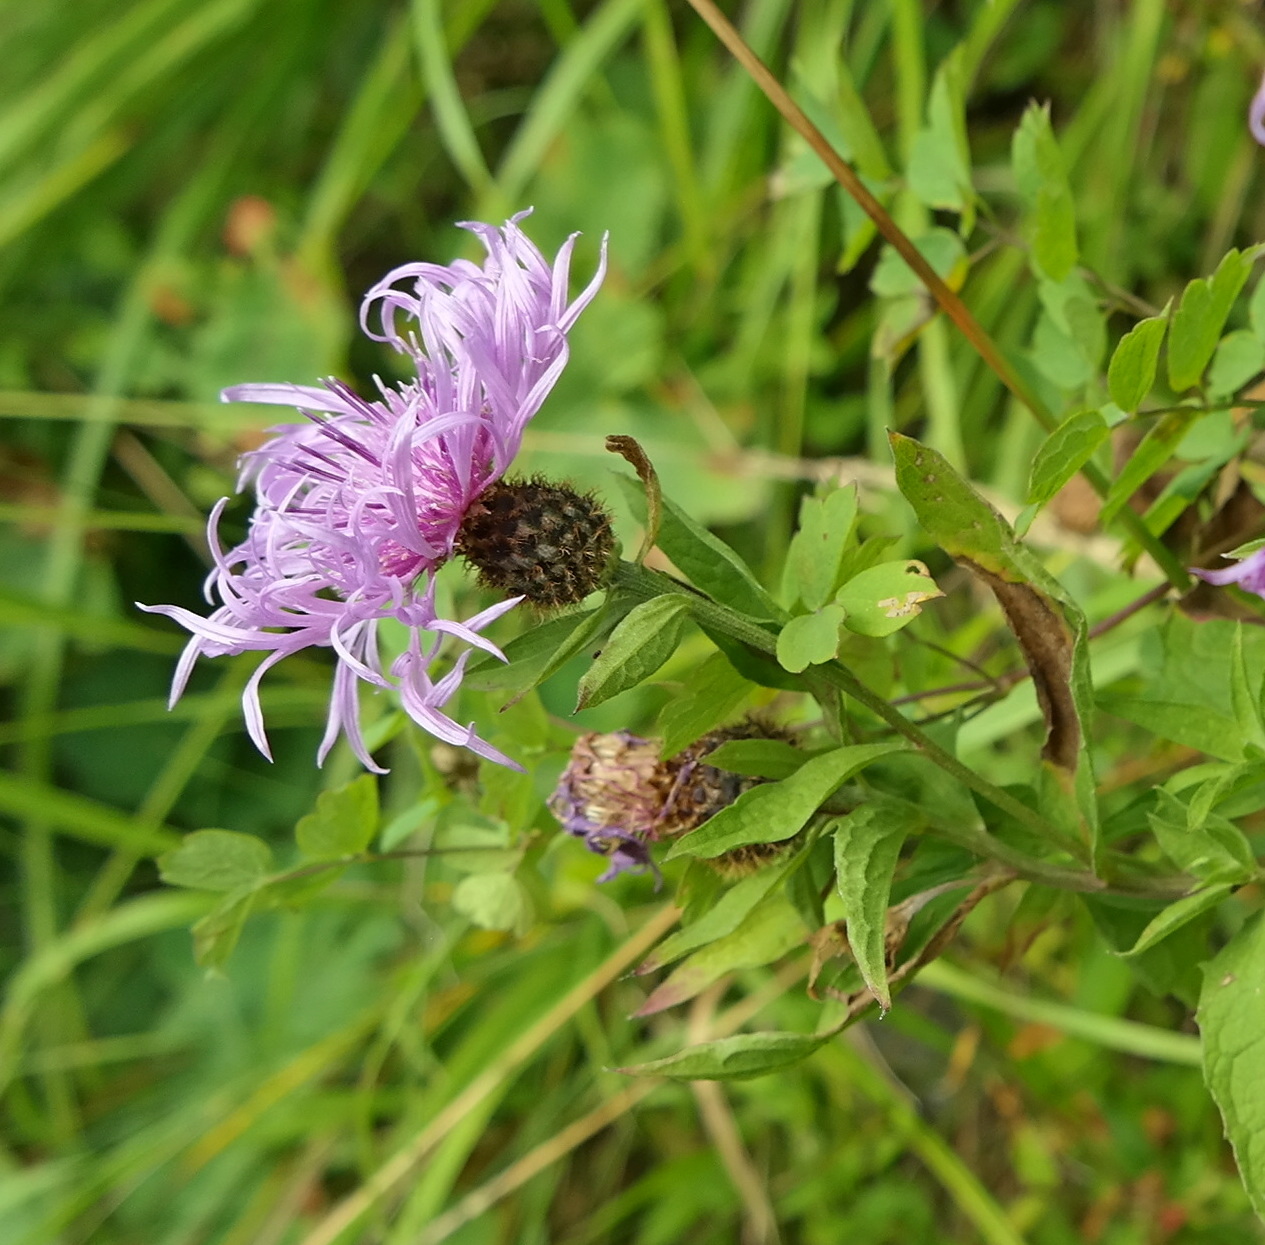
(356, 508)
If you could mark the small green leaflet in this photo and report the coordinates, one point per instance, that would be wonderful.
(1200, 317)
(733, 1058)
(1041, 177)
(216, 860)
(886, 597)
(939, 169)
(812, 562)
(941, 248)
(809, 639)
(1231, 1019)
(774, 812)
(1131, 372)
(645, 639)
(867, 846)
(1065, 451)
(1240, 356)
(344, 822)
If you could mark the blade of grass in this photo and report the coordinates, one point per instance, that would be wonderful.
(29, 204)
(89, 450)
(180, 765)
(380, 116)
(52, 964)
(1144, 1041)
(346, 1212)
(104, 520)
(559, 95)
(846, 1069)
(44, 105)
(451, 119)
(664, 65)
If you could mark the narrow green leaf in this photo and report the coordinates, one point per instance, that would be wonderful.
(1231, 1019)
(769, 930)
(725, 916)
(216, 860)
(867, 847)
(343, 822)
(733, 1058)
(1212, 848)
(816, 549)
(705, 560)
(710, 695)
(1041, 176)
(642, 642)
(1201, 315)
(527, 655)
(1244, 699)
(886, 597)
(809, 639)
(1154, 450)
(1196, 726)
(1177, 914)
(1131, 372)
(1065, 451)
(758, 758)
(775, 812)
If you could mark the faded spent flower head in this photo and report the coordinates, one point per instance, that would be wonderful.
(619, 797)
(356, 508)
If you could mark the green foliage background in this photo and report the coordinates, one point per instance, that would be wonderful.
(195, 193)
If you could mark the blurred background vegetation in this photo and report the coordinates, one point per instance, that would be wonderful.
(195, 193)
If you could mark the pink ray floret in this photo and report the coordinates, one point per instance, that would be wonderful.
(356, 508)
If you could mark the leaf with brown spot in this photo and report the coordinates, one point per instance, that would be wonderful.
(1047, 622)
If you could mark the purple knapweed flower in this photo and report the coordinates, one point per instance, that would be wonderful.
(1256, 114)
(1249, 574)
(358, 507)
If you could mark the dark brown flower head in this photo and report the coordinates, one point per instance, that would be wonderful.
(542, 541)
